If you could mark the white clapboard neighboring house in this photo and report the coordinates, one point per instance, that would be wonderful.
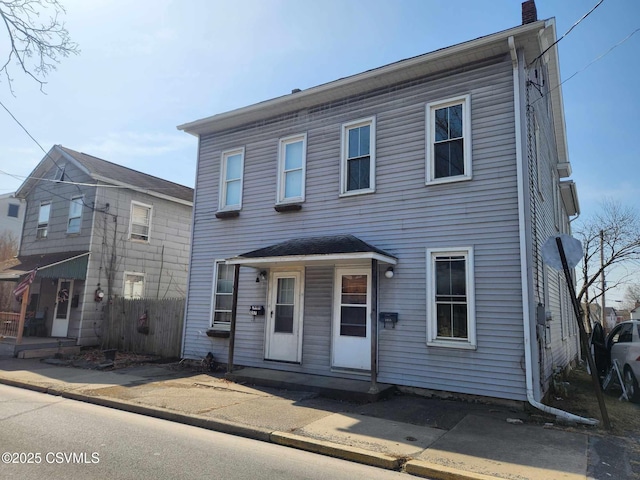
(387, 226)
(96, 230)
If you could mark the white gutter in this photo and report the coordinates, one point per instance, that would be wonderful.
(524, 266)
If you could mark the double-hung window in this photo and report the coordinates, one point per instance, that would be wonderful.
(291, 169)
(43, 220)
(140, 221)
(450, 298)
(358, 167)
(448, 140)
(75, 215)
(133, 285)
(222, 296)
(231, 173)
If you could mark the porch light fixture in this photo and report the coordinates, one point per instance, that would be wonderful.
(389, 272)
(261, 276)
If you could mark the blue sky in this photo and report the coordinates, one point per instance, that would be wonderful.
(149, 65)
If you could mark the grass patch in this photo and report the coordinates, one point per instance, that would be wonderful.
(581, 400)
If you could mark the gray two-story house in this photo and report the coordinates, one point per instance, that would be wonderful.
(387, 226)
(96, 230)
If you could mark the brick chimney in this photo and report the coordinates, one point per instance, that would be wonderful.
(529, 12)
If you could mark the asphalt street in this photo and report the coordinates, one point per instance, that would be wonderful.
(43, 436)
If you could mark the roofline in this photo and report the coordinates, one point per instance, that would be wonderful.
(323, 93)
(153, 193)
(332, 257)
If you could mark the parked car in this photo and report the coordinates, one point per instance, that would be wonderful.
(622, 344)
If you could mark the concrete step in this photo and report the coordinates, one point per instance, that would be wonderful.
(48, 352)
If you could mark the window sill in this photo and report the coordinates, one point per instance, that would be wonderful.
(354, 193)
(218, 333)
(457, 178)
(228, 214)
(451, 344)
(287, 207)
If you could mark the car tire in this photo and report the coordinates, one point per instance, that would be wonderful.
(631, 385)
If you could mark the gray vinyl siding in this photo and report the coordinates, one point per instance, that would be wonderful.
(557, 339)
(163, 260)
(403, 217)
(60, 195)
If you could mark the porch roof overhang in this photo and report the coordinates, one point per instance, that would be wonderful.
(325, 250)
(71, 265)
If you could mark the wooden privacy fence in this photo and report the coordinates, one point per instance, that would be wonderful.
(152, 327)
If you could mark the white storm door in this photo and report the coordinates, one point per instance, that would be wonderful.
(61, 313)
(284, 317)
(352, 319)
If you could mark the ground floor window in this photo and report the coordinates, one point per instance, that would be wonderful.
(222, 296)
(450, 298)
(133, 285)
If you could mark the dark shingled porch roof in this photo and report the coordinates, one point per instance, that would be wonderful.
(325, 245)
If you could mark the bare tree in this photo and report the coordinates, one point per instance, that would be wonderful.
(37, 37)
(609, 238)
(632, 296)
(8, 250)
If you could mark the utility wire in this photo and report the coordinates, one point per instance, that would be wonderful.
(599, 57)
(566, 33)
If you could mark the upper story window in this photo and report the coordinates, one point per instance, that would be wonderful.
(43, 220)
(450, 298)
(59, 174)
(75, 215)
(449, 140)
(133, 285)
(358, 166)
(14, 210)
(222, 296)
(140, 221)
(231, 173)
(291, 168)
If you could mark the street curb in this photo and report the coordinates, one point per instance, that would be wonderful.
(440, 472)
(345, 452)
(222, 426)
(331, 449)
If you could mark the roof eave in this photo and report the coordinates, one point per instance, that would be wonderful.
(313, 258)
(378, 77)
(153, 193)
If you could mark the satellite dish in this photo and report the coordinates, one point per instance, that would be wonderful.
(572, 251)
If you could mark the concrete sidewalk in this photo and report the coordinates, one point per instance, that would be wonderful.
(438, 439)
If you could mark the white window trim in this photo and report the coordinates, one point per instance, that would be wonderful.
(432, 334)
(216, 326)
(557, 203)
(280, 199)
(144, 205)
(46, 228)
(372, 156)
(124, 283)
(222, 207)
(431, 107)
(81, 198)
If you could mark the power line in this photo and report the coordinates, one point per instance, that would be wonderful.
(599, 57)
(566, 33)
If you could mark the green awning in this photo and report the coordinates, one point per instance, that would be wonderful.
(71, 265)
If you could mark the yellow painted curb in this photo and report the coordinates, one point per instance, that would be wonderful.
(440, 472)
(331, 449)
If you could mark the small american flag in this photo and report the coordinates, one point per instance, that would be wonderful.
(22, 286)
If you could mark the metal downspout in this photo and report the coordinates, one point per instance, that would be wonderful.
(524, 266)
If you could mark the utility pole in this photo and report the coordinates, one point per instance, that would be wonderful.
(602, 282)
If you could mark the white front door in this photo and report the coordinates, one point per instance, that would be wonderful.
(284, 317)
(61, 313)
(351, 319)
